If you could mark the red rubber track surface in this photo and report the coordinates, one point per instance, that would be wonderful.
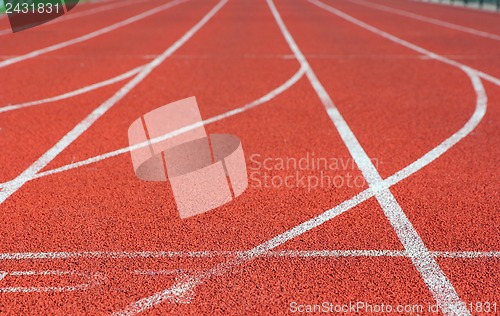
(398, 103)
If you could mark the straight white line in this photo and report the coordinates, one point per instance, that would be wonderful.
(466, 254)
(184, 286)
(427, 19)
(79, 287)
(218, 253)
(335, 253)
(81, 127)
(91, 35)
(402, 42)
(111, 254)
(366, 191)
(302, 228)
(158, 272)
(441, 288)
(73, 15)
(379, 253)
(45, 272)
(98, 85)
(73, 93)
(267, 97)
(95, 279)
(480, 110)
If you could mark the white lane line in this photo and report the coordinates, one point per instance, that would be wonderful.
(91, 35)
(95, 86)
(479, 112)
(218, 253)
(427, 19)
(33, 289)
(189, 283)
(81, 127)
(379, 253)
(477, 116)
(159, 272)
(267, 97)
(186, 285)
(110, 254)
(402, 42)
(73, 93)
(441, 288)
(466, 254)
(74, 15)
(94, 279)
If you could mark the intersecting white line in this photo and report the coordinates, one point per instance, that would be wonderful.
(81, 127)
(267, 97)
(96, 278)
(402, 42)
(401, 175)
(73, 93)
(91, 35)
(189, 282)
(441, 288)
(426, 19)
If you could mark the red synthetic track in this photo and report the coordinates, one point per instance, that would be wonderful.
(398, 103)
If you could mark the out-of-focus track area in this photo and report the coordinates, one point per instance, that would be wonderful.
(406, 92)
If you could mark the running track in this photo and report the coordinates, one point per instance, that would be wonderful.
(412, 86)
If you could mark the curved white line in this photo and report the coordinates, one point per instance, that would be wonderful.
(270, 95)
(477, 116)
(91, 35)
(184, 286)
(427, 19)
(73, 93)
(402, 42)
(187, 284)
(31, 172)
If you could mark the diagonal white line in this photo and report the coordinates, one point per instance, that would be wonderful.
(441, 288)
(81, 127)
(402, 42)
(187, 284)
(265, 98)
(73, 93)
(426, 19)
(88, 36)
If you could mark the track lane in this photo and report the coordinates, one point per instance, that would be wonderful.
(190, 283)
(244, 283)
(230, 227)
(474, 51)
(460, 220)
(95, 65)
(16, 44)
(77, 12)
(482, 20)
